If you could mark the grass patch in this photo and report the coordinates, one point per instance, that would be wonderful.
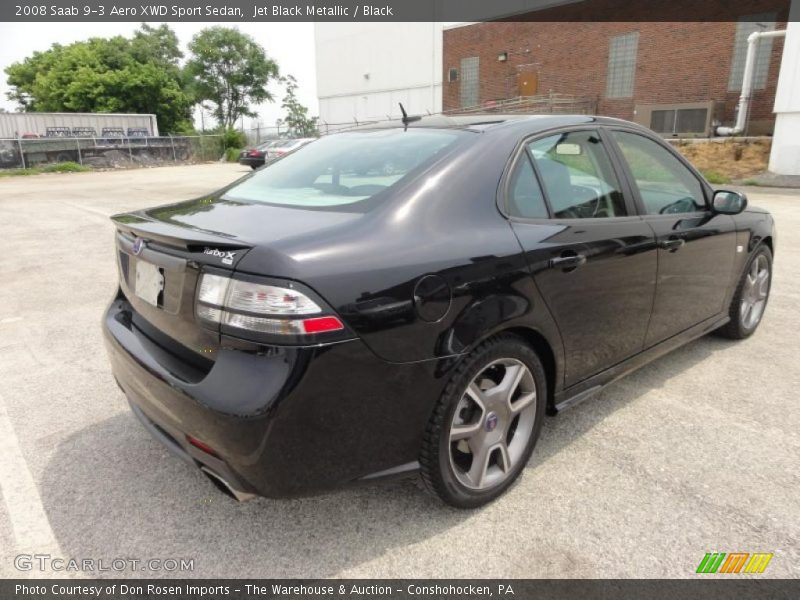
(750, 182)
(714, 177)
(64, 167)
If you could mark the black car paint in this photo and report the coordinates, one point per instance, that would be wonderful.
(291, 419)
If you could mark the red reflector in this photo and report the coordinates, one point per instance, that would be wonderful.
(201, 446)
(321, 324)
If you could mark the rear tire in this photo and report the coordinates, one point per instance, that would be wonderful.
(750, 299)
(486, 423)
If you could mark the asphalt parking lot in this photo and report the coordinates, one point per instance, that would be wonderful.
(697, 452)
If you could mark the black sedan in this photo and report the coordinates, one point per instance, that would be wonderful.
(416, 297)
(256, 157)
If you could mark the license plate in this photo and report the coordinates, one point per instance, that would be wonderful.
(149, 282)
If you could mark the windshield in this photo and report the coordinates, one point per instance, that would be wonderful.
(343, 168)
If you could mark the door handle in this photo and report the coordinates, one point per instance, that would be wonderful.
(570, 261)
(672, 245)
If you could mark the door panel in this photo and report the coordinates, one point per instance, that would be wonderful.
(601, 306)
(593, 263)
(694, 271)
(696, 247)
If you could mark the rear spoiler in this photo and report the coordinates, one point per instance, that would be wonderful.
(178, 236)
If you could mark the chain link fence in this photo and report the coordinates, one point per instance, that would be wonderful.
(110, 152)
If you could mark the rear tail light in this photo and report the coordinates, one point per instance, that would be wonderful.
(265, 309)
(254, 153)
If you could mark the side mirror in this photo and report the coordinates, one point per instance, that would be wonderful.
(727, 202)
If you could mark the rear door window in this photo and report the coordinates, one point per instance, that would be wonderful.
(577, 175)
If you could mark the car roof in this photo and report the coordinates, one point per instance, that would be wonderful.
(490, 121)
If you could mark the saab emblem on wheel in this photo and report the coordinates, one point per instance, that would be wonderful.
(491, 422)
(138, 246)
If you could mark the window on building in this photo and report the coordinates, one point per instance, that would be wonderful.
(452, 74)
(469, 82)
(746, 26)
(622, 52)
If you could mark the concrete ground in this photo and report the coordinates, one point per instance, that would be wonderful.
(697, 452)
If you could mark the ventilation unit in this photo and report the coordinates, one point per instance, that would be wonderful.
(693, 119)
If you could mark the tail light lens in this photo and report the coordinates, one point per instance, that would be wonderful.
(266, 311)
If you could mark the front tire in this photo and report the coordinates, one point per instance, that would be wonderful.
(750, 300)
(486, 423)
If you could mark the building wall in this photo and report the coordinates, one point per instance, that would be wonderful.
(365, 69)
(785, 156)
(676, 61)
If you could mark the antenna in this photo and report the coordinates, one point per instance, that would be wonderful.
(406, 119)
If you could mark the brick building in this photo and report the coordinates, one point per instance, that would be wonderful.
(633, 68)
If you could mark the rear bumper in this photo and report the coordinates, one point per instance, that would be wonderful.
(282, 421)
(251, 161)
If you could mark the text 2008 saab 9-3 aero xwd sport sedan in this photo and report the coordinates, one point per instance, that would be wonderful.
(417, 296)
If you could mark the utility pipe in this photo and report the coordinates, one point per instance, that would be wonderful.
(747, 81)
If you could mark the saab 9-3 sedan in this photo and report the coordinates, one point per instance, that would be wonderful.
(416, 296)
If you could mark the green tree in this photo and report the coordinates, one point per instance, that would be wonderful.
(297, 119)
(138, 75)
(230, 70)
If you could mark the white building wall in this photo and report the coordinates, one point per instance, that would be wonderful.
(785, 155)
(364, 70)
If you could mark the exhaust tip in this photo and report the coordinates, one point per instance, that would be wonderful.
(225, 487)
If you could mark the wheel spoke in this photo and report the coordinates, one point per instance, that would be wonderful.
(510, 382)
(480, 464)
(476, 395)
(761, 281)
(504, 461)
(522, 402)
(464, 432)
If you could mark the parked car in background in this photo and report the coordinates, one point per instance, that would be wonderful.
(256, 157)
(261, 154)
(416, 297)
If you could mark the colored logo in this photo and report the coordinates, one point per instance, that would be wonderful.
(491, 422)
(734, 562)
(138, 246)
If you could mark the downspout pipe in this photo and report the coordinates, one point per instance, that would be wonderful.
(743, 108)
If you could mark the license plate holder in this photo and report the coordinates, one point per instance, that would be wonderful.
(149, 282)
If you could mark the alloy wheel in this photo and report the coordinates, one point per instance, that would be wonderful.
(755, 292)
(492, 424)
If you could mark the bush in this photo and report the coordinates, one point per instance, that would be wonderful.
(233, 138)
(232, 154)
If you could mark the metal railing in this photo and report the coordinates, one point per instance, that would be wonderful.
(109, 152)
(562, 104)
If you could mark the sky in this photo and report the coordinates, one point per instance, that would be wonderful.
(291, 45)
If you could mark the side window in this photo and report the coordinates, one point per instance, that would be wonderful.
(665, 185)
(577, 176)
(525, 197)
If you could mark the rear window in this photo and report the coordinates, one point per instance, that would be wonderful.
(344, 168)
